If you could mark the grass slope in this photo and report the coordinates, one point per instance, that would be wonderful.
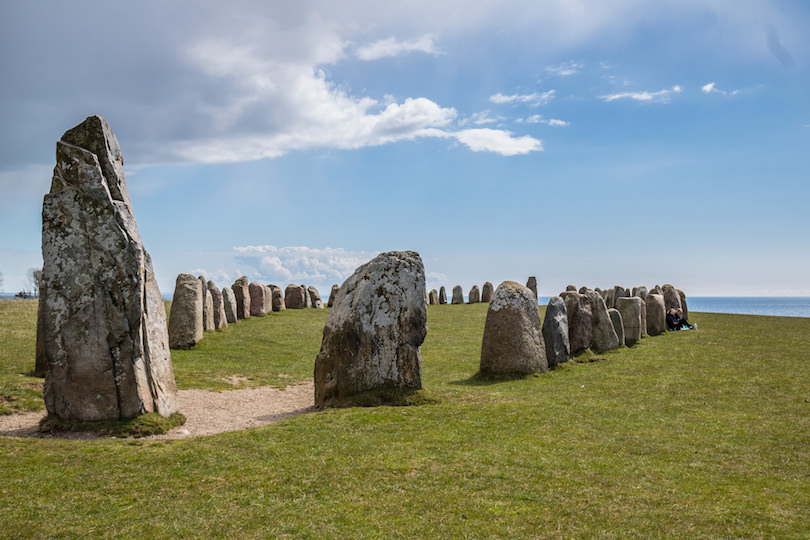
(694, 434)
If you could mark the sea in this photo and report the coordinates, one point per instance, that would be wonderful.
(780, 306)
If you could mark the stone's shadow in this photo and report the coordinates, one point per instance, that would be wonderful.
(288, 414)
(478, 380)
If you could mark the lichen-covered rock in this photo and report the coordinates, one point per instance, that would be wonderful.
(104, 327)
(442, 295)
(531, 283)
(580, 320)
(603, 337)
(229, 305)
(475, 295)
(295, 297)
(220, 320)
(373, 333)
(277, 298)
(258, 298)
(208, 306)
(656, 315)
(512, 343)
(433, 297)
(241, 290)
(186, 316)
(486, 292)
(618, 325)
(314, 297)
(458, 295)
(555, 332)
(331, 301)
(630, 310)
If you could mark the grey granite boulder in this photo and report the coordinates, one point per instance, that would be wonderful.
(580, 320)
(618, 325)
(630, 310)
(555, 332)
(373, 333)
(229, 305)
(335, 289)
(295, 297)
(475, 295)
(314, 297)
(604, 337)
(241, 290)
(672, 300)
(531, 283)
(220, 320)
(458, 295)
(442, 295)
(208, 306)
(104, 330)
(186, 316)
(433, 297)
(486, 292)
(656, 315)
(258, 298)
(512, 342)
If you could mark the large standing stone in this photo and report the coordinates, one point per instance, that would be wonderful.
(186, 316)
(486, 292)
(604, 337)
(314, 297)
(433, 297)
(442, 295)
(277, 298)
(104, 327)
(555, 332)
(208, 306)
(644, 317)
(229, 305)
(220, 320)
(258, 297)
(307, 297)
(685, 309)
(335, 289)
(512, 343)
(458, 295)
(268, 299)
(475, 295)
(618, 324)
(580, 320)
(241, 290)
(373, 333)
(630, 310)
(656, 315)
(641, 292)
(532, 285)
(295, 297)
(672, 300)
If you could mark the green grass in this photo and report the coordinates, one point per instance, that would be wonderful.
(692, 434)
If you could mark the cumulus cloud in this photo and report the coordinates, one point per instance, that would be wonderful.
(498, 141)
(533, 100)
(300, 264)
(661, 96)
(389, 47)
(566, 69)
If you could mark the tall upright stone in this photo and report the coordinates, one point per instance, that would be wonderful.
(241, 290)
(641, 292)
(475, 295)
(186, 316)
(307, 297)
(433, 297)
(685, 309)
(229, 305)
(277, 298)
(295, 297)
(458, 295)
(332, 294)
(672, 300)
(580, 320)
(604, 337)
(616, 321)
(314, 297)
(571, 288)
(220, 320)
(258, 298)
(656, 315)
(268, 302)
(104, 328)
(512, 342)
(373, 333)
(487, 291)
(555, 332)
(207, 306)
(442, 295)
(630, 310)
(532, 285)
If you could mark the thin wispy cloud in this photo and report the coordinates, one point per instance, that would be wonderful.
(553, 122)
(390, 47)
(566, 69)
(661, 96)
(535, 99)
(711, 88)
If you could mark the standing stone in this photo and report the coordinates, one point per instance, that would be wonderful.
(458, 295)
(641, 292)
(555, 332)
(442, 295)
(656, 290)
(277, 298)
(580, 320)
(512, 343)
(307, 297)
(220, 320)
(656, 315)
(618, 292)
(208, 306)
(475, 296)
(604, 337)
(630, 310)
(40, 359)
(644, 317)
(486, 292)
(532, 285)
(229, 305)
(314, 297)
(186, 316)
(373, 333)
(618, 324)
(672, 300)
(295, 297)
(685, 309)
(570, 288)
(257, 298)
(610, 298)
(332, 295)
(268, 299)
(241, 290)
(433, 298)
(583, 290)
(104, 328)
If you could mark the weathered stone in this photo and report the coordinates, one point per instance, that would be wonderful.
(583, 290)
(672, 300)
(40, 358)
(458, 295)
(641, 292)
(295, 297)
(186, 316)
(685, 309)
(487, 291)
(104, 329)
(307, 297)
(258, 297)
(208, 306)
(644, 317)
(604, 337)
(531, 283)
(332, 295)
(314, 297)
(433, 297)
(618, 292)
(277, 298)
(475, 295)
(580, 320)
(268, 299)
(570, 288)
(220, 320)
(373, 333)
(656, 315)
(555, 332)
(512, 343)
(656, 290)
(630, 310)
(241, 290)
(442, 295)
(229, 305)
(610, 298)
(618, 325)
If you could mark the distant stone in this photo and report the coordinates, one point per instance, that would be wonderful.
(580, 320)
(332, 295)
(220, 320)
(277, 298)
(672, 300)
(433, 297)
(229, 305)
(641, 292)
(618, 292)
(373, 333)
(104, 331)
(570, 288)
(486, 292)
(512, 343)
(604, 337)
(314, 297)
(618, 325)
(643, 317)
(40, 358)
(475, 295)
(610, 298)
(241, 291)
(458, 295)
(656, 315)
(442, 295)
(656, 290)
(555, 332)
(208, 306)
(258, 297)
(268, 299)
(583, 290)
(295, 297)
(685, 309)
(532, 285)
(186, 316)
(630, 310)
(307, 297)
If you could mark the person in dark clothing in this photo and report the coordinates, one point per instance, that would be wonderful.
(675, 322)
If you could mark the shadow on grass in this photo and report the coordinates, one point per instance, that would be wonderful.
(489, 380)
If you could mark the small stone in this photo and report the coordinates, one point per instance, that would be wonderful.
(241, 291)
(257, 298)
(433, 297)
(475, 296)
(314, 297)
(532, 285)
(332, 294)
(186, 315)
(555, 332)
(442, 295)
(486, 292)
(458, 295)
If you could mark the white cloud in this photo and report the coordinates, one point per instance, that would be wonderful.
(566, 69)
(389, 47)
(711, 88)
(533, 100)
(553, 122)
(661, 96)
(483, 117)
(498, 141)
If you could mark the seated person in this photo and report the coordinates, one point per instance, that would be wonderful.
(676, 322)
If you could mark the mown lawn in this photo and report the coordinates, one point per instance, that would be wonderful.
(693, 434)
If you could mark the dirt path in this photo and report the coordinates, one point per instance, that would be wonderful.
(206, 412)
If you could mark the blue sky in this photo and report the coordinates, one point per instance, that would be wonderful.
(588, 142)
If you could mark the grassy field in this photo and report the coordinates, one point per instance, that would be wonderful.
(692, 434)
